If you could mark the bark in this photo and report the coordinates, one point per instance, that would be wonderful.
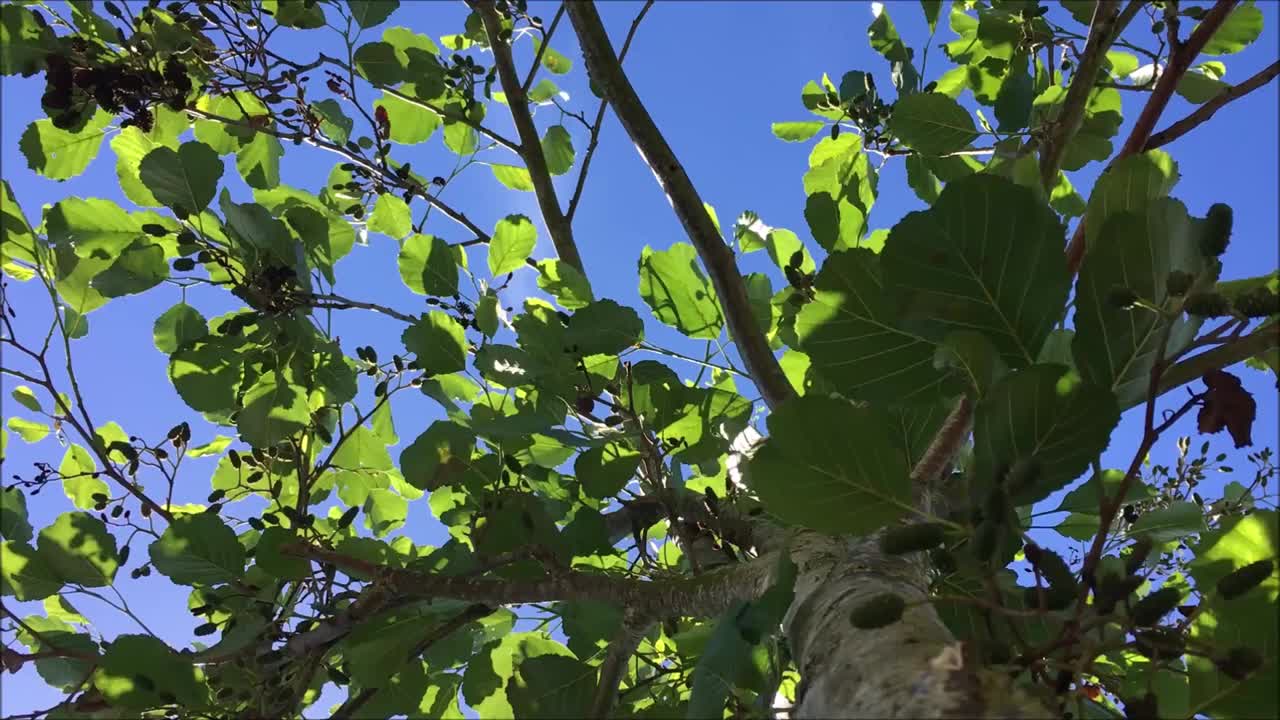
(913, 668)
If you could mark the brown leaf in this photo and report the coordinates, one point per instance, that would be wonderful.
(1227, 404)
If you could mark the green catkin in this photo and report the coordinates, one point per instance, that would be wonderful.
(879, 611)
(1244, 579)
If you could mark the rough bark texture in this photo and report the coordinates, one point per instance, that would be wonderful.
(913, 668)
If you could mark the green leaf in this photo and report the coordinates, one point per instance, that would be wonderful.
(79, 477)
(1044, 415)
(206, 375)
(179, 326)
(1173, 522)
(213, 447)
(427, 265)
(140, 267)
(1115, 347)
(368, 13)
(459, 136)
(13, 515)
(986, 257)
(932, 8)
(410, 123)
(552, 60)
(1130, 185)
(296, 13)
(565, 283)
(1017, 91)
(198, 549)
(932, 124)
(25, 573)
(514, 238)
(24, 43)
(512, 176)
(974, 360)
(438, 455)
(735, 655)
(850, 335)
(385, 511)
(26, 397)
(274, 409)
(886, 41)
(278, 564)
(605, 470)
(492, 667)
(673, 286)
(921, 179)
(333, 122)
(184, 179)
(60, 154)
(1246, 621)
(1237, 32)
(783, 244)
(552, 686)
(1085, 498)
(840, 190)
(799, 131)
(1202, 82)
(78, 548)
(57, 637)
(259, 161)
(377, 62)
(557, 147)
(136, 669)
(130, 147)
(438, 342)
(604, 328)
(831, 466)
(19, 240)
(487, 313)
(391, 216)
(405, 40)
(29, 430)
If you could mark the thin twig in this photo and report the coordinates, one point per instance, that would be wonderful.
(542, 48)
(530, 149)
(1206, 111)
(1178, 64)
(604, 68)
(598, 123)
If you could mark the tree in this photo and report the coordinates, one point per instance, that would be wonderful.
(857, 541)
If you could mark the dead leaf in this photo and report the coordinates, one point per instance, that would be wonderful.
(1227, 405)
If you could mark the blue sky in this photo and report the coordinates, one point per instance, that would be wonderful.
(714, 76)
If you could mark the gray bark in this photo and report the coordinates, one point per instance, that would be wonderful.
(913, 668)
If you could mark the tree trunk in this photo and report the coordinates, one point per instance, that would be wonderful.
(913, 668)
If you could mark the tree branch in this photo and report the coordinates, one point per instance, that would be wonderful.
(598, 123)
(1156, 103)
(1264, 338)
(698, 597)
(1202, 114)
(338, 302)
(530, 149)
(1102, 30)
(387, 177)
(614, 667)
(604, 68)
(436, 634)
(324, 59)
